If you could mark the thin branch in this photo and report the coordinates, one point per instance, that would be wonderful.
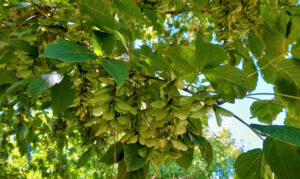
(253, 98)
(252, 94)
(184, 10)
(242, 121)
(152, 77)
(267, 65)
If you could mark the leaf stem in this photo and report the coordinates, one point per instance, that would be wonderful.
(242, 121)
(267, 65)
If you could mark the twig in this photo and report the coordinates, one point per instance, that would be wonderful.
(256, 132)
(252, 94)
(253, 98)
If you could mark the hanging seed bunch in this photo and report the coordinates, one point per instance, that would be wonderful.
(234, 19)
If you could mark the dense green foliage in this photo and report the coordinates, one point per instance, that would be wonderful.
(139, 80)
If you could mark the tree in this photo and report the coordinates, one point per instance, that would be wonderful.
(138, 78)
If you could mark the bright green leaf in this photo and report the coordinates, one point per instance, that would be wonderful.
(256, 44)
(208, 55)
(266, 111)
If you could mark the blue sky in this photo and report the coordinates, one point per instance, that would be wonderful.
(241, 108)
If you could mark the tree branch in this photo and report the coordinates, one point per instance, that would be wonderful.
(242, 121)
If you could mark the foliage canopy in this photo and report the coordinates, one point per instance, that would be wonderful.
(139, 79)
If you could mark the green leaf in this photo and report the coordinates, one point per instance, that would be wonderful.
(266, 111)
(84, 158)
(205, 148)
(99, 12)
(275, 42)
(19, 5)
(208, 55)
(105, 40)
(186, 159)
(296, 50)
(283, 158)
(68, 51)
(288, 83)
(228, 81)
(117, 69)
(179, 62)
(137, 174)
(40, 84)
(19, 84)
(256, 44)
(280, 132)
(128, 7)
(250, 165)
(7, 56)
(7, 77)
(249, 68)
(195, 125)
(109, 157)
(131, 157)
(295, 26)
(62, 95)
(24, 46)
(37, 87)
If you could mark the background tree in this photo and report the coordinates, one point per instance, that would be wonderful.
(137, 79)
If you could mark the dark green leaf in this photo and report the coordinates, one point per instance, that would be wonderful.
(84, 158)
(250, 165)
(99, 12)
(137, 174)
(283, 158)
(131, 157)
(109, 157)
(24, 46)
(68, 51)
(62, 95)
(40, 84)
(7, 77)
(266, 111)
(128, 7)
(7, 56)
(19, 5)
(228, 81)
(105, 40)
(117, 69)
(280, 132)
(186, 159)
(208, 55)
(205, 148)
